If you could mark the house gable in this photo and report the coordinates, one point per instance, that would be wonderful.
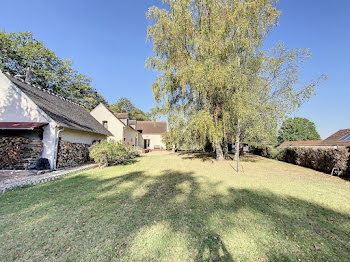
(16, 106)
(105, 117)
(65, 113)
(23, 103)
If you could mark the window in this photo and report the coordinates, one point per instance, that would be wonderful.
(105, 124)
(345, 138)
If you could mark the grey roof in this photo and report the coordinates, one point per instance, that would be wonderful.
(65, 113)
(122, 115)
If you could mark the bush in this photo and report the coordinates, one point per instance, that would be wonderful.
(109, 153)
(267, 151)
(323, 159)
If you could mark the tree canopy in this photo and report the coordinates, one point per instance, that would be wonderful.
(19, 51)
(214, 73)
(297, 129)
(124, 105)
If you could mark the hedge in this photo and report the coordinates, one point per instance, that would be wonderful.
(323, 159)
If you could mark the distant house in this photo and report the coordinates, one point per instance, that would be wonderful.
(300, 143)
(151, 133)
(35, 123)
(117, 124)
(339, 138)
(142, 134)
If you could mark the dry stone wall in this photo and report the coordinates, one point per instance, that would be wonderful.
(72, 154)
(19, 152)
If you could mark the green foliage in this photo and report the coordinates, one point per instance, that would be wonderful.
(109, 153)
(269, 151)
(214, 73)
(174, 138)
(124, 105)
(297, 129)
(19, 51)
(139, 115)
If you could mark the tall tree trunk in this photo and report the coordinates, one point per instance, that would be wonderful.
(218, 146)
(225, 149)
(237, 145)
(219, 152)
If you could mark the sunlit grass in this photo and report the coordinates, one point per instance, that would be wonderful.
(171, 207)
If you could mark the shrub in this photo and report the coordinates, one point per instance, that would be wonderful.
(109, 153)
(267, 151)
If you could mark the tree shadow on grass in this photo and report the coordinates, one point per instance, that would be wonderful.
(210, 156)
(113, 211)
(250, 158)
(204, 156)
(215, 248)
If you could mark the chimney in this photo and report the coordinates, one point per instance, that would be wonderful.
(28, 75)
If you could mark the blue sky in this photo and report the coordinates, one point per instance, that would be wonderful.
(107, 41)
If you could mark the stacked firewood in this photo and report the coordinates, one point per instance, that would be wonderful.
(72, 154)
(19, 152)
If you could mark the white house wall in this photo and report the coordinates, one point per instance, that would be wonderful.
(15, 106)
(155, 140)
(101, 113)
(130, 136)
(76, 136)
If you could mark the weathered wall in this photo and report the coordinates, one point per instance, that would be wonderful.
(19, 152)
(72, 154)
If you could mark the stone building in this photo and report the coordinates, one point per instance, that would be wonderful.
(35, 123)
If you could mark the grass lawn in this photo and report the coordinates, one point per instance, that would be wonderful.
(171, 207)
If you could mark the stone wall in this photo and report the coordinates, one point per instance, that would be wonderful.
(19, 152)
(72, 154)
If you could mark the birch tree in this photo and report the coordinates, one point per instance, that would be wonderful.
(197, 47)
(212, 68)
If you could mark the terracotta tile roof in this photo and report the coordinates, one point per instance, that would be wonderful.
(21, 125)
(150, 127)
(301, 143)
(334, 140)
(132, 122)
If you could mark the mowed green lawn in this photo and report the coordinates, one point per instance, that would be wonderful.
(171, 207)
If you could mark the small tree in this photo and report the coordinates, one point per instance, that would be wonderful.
(297, 129)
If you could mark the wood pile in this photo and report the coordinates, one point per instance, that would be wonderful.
(72, 154)
(19, 152)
